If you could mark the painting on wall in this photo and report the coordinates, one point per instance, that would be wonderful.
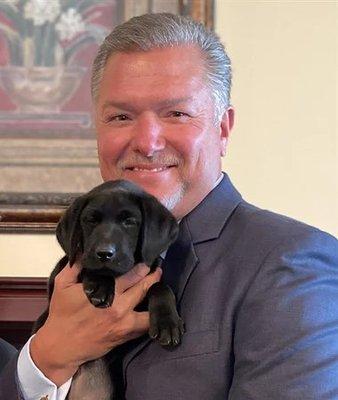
(47, 139)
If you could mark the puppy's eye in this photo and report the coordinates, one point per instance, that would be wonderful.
(129, 222)
(92, 218)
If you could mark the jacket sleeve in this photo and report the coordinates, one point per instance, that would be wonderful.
(286, 332)
(9, 389)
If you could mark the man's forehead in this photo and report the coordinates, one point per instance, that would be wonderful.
(169, 59)
(156, 79)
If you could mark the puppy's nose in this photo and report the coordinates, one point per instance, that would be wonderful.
(105, 253)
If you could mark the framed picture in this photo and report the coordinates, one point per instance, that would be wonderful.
(47, 139)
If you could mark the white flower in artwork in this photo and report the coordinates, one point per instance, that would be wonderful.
(41, 11)
(70, 24)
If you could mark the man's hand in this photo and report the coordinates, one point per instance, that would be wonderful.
(76, 331)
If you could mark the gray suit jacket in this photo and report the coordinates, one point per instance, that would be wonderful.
(259, 296)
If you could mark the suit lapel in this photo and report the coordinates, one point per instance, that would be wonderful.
(207, 220)
(204, 223)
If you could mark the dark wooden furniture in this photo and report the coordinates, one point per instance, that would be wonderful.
(22, 300)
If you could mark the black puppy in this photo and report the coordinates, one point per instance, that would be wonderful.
(113, 227)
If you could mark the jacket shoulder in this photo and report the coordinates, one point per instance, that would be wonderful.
(266, 226)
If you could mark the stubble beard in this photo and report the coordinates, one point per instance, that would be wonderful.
(170, 201)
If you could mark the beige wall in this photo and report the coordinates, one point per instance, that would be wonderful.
(28, 255)
(283, 151)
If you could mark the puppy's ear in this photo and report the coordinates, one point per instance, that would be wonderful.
(69, 231)
(159, 229)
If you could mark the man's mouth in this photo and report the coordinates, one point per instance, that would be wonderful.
(150, 168)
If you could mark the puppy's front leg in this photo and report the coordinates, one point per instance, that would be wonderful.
(100, 289)
(166, 326)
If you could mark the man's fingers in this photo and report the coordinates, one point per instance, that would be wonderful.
(134, 295)
(131, 278)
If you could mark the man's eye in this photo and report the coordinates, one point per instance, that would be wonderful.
(117, 118)
(178, 114)
(121, 117)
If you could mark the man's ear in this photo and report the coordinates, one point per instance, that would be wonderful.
(69, 231)
(159, 229)
(227, 124)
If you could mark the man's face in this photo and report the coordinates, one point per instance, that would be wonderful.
(155, 121)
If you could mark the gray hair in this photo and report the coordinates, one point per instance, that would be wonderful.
(163, 30)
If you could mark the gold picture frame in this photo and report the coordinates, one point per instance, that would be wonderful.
(66, 144)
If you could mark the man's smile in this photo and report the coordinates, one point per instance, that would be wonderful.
(149, 168)
(168, 142)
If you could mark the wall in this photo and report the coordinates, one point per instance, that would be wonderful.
(283, 151)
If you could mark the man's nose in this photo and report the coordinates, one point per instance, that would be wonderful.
(148, 136)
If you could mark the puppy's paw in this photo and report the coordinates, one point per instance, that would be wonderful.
(167, 328)
(99, 293)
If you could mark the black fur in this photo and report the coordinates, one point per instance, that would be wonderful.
(110, 229)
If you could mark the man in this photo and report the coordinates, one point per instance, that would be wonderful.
(258, 292)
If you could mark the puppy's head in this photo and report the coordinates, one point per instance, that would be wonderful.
(115, 226)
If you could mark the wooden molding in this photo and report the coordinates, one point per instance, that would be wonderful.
(22, 301)
(34, 212)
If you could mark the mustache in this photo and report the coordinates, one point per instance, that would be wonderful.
(161, 159)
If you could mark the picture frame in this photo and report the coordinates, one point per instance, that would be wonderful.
(48, 152)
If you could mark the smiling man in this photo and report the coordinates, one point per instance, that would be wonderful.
(258, 291)
(167, 139)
